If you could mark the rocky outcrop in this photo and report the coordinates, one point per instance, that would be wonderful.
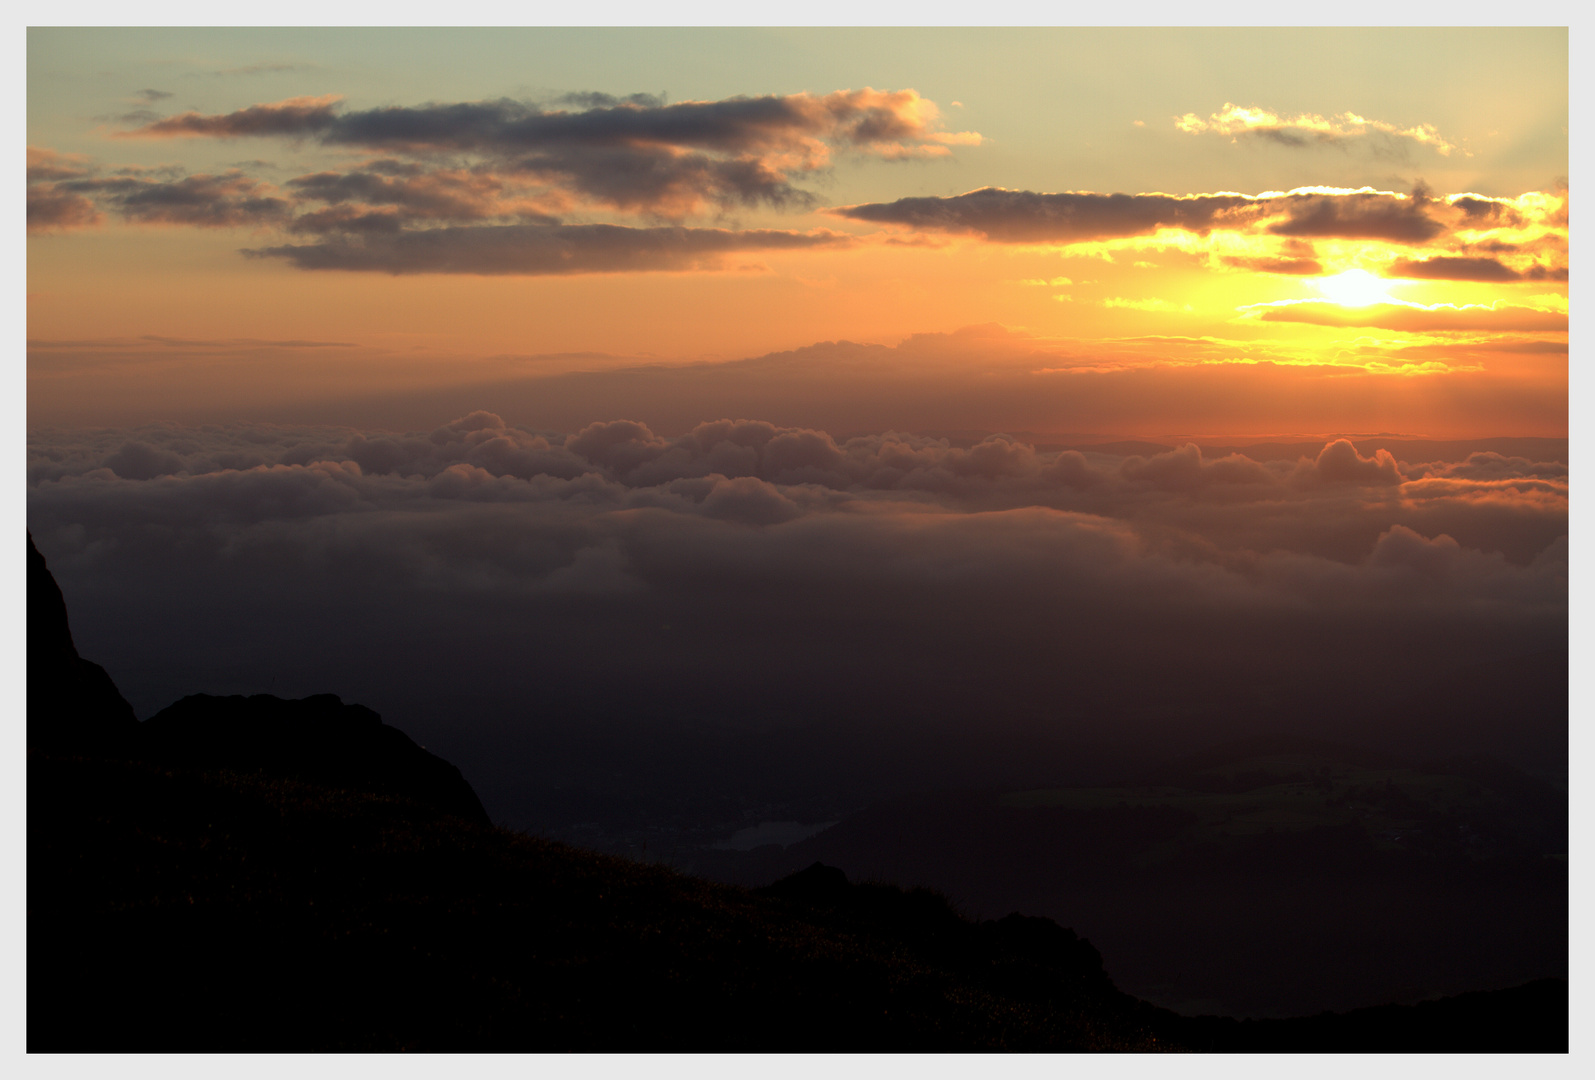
(315, 740)
(73, 706)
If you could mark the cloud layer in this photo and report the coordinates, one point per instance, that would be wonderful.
(500, 593)
(758, 473)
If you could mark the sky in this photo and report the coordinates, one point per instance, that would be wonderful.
(660, 418)
(1132, 232)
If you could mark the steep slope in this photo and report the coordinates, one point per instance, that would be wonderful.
(184, 911)
(317, 740)
(250, 874)
(71, 702)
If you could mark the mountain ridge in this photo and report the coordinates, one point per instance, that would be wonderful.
(221, 881)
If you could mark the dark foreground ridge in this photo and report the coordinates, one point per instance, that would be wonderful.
(251, 874)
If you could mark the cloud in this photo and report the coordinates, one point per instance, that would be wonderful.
(1340, 463)
(1414, 318)
(1007, 216)
(594, 100)
(1491, 466)
(299, 116)
(1419, 219)
(1357, 215)
(388, 196)
(228, 200)
(1455, 268)
(53, 210)
(485, 187)
(1274, 265)
(140, 461)
(51, 207)
(886, 575)
(758, 471)
(515, 590)
(45, 164)
(1309, 129)
(538, 249)
(634, 154)
(1185, 469)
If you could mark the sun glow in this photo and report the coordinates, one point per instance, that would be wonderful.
(1355, 288)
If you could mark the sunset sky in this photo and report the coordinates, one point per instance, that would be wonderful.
(1121, 232)
(901, 394)
(691, 433)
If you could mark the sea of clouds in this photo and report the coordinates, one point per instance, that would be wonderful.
(481, 578)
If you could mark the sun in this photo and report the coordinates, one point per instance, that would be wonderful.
(1354, 288)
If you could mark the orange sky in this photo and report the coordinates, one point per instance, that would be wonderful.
(252, 224)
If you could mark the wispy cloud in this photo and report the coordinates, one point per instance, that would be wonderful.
(1413, 318)
(227, 200)
(1308, 129)
(294, 116)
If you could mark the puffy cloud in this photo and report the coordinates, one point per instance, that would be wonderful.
(1340, 463)
(1185, 469)
(479, 582)
(750, 500)
(761, 473)
(140, 461)
(1490, 465)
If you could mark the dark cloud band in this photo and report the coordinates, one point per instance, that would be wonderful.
(542, 249)
(1449, 268)
(1073, 217)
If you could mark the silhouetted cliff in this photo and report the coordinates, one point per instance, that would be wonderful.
(72, 703)
(316, 740)
(254, 874)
